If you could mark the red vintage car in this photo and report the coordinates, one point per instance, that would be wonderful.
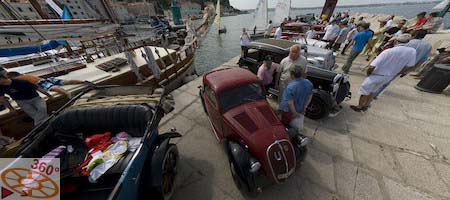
(256, 142)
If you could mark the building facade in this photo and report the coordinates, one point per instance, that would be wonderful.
(123, 10)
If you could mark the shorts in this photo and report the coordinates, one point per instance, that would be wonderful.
(48, 83)
(373, 83)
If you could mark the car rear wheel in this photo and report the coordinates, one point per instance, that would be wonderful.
(317, 109)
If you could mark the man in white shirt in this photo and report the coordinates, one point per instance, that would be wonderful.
(269, 29)
(311, 33)
(423, 50)
(279, 31)
(331, 33)
(293, 59)
(384, 68)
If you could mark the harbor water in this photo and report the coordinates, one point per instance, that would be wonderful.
(216, 49)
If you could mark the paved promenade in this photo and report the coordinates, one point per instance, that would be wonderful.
(399, 149)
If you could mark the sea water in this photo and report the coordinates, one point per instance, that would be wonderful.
(217, 49)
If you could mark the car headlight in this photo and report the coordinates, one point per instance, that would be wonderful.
(335, 87)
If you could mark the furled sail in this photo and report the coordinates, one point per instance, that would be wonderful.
(217, 19)
(282, 11)
(328, 9)
(261, 15)
(55, 7)
(52, 44)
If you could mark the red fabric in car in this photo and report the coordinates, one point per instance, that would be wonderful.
(97, 142)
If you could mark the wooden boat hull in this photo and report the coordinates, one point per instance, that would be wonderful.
(17, 126)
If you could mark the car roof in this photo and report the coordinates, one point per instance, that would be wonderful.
(224, 78)
(282, 45)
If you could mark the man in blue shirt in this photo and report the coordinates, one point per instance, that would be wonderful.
(26, 96)
(296, 98)
(359, 41)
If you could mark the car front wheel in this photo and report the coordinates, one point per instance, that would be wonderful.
(317, 109)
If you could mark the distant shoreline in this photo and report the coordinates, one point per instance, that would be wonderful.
(361, 5)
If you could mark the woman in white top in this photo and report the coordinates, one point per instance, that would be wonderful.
(245, 39)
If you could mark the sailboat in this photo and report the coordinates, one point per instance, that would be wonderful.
(282, 11)
(218, 19)
(328, 9)
(110, 59)
(261, 19)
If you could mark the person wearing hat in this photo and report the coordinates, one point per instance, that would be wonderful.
(442, 58)
(390, 21)
(433, 23)
(266, 72)
(384, 68)
(421, 20)
(352, 32)
(374, 45)
(359, 41)
(296, 98)
(423, 50)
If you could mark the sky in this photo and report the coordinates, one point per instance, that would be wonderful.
(251, 4)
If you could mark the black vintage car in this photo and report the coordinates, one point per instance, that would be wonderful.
(330, 87)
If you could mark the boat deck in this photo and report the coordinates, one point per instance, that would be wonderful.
(399, 149)
(91, 72)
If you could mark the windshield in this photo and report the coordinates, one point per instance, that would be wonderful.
(236, 96)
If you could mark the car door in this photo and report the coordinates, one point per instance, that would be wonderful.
(212, 108)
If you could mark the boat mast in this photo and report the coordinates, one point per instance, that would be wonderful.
(289, 13)
(266, 11)
(38, 9)
(109, 12)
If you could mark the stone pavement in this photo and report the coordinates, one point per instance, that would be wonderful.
(399, 149)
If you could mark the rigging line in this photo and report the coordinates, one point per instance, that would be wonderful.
(19, 15)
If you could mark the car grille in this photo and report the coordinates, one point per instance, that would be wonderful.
(281, 157)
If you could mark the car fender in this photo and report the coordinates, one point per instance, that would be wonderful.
(200, 93)
(241, 157)
(158, 157)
